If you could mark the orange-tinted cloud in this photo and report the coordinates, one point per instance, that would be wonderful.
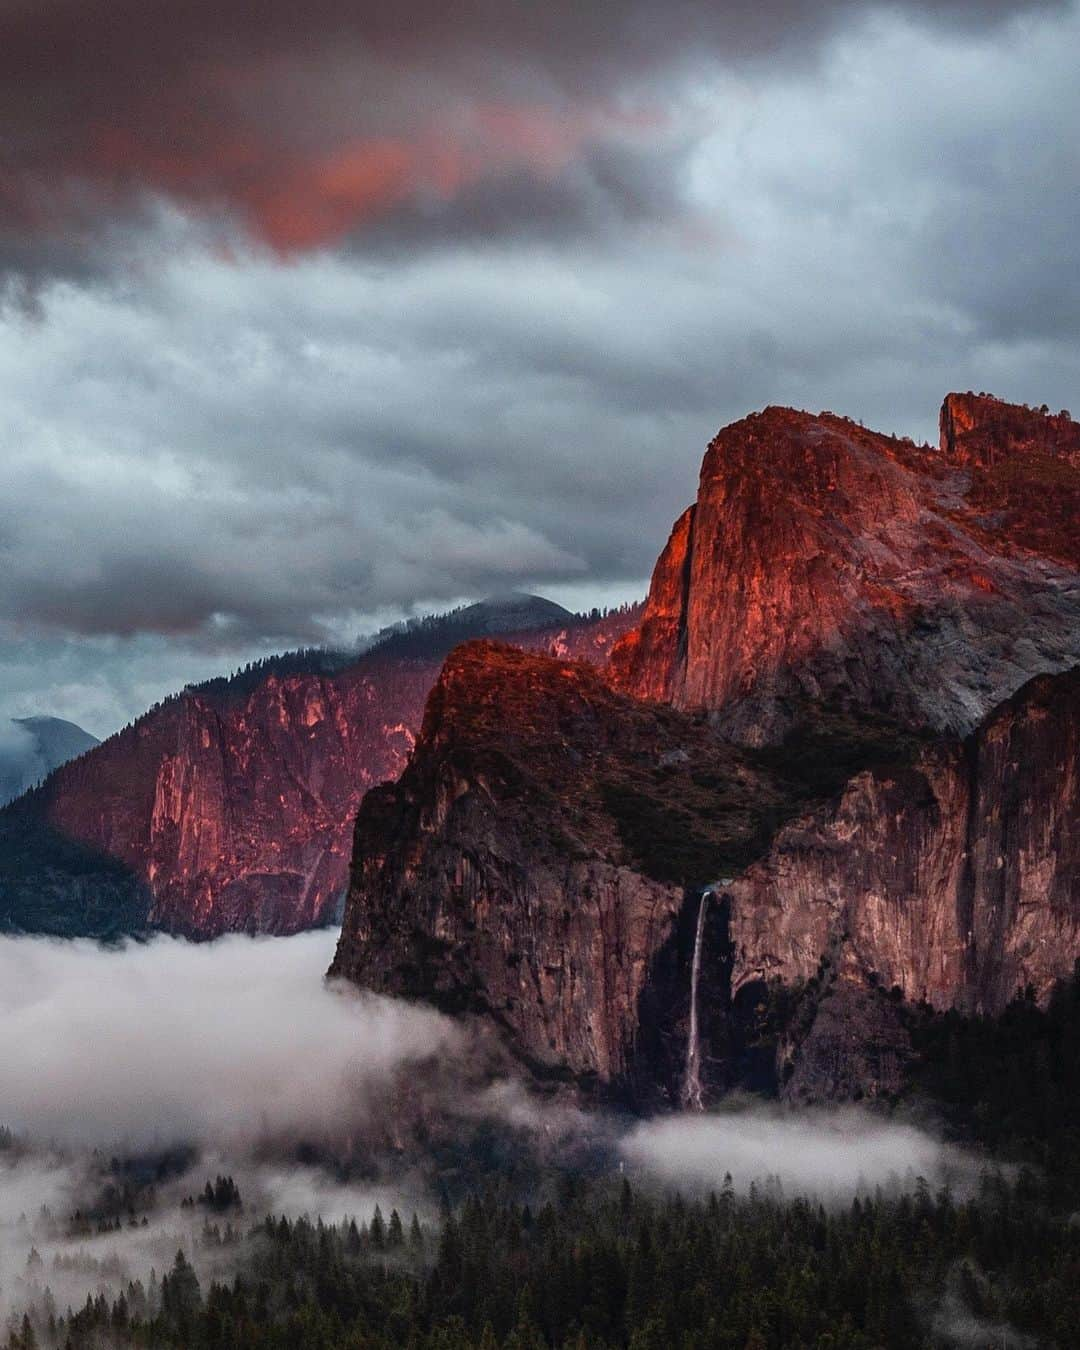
(297, 201)
(310, 120)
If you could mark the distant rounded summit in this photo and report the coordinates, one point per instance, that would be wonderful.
(513, 610)
(31, 747)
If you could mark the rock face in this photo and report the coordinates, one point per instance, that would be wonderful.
(849, 712)
(492, 877)
(237, 816)
(826, 561)
(231, 807)
(980, 431)
(1024, 472)
(540, 859)
(954, 881)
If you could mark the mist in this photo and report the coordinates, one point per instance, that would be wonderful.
(146, 1069)
(828, 1154)
(148, 1045)
(21, 763)
(235, 1055)
(241, 1046)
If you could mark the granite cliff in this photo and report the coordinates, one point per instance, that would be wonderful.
(541, 857)
(542, 861)
(825, 561)
(849, 714)
(951, 883)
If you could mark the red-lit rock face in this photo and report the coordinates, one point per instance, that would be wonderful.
(834, 722)
(980, 430)
(822, 560)
(634, 665)
(238, 816)
(1024, 473)
(238, 813)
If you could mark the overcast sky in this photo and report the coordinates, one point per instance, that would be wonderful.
(317, 312)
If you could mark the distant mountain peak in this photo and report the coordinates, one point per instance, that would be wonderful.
(526, 610)
(36, 746)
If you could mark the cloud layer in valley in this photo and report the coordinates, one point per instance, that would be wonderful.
(238, 1043)
(154, 1044)
(234, 1053)
(225, 1057)
(829, 1154)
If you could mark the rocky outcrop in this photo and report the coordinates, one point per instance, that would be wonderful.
(1023, 468)
(980, 431)
(825, 561)
(231, 807)
(954, 882)
(541, 857)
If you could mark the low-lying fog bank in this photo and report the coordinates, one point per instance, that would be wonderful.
(151, 1044)
(829, 1155)
(131, 1075)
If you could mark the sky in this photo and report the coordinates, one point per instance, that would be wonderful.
(316, 315)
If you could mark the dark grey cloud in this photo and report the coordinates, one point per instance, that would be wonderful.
(606, 190)
(308, 122)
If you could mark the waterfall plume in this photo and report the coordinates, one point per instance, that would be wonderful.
(692, 1091)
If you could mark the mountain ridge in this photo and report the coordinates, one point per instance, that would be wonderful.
(230, 807)
(40, 744)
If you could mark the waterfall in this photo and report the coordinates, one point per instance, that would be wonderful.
(691, 1093)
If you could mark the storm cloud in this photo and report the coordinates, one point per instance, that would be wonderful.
(316, 317)
(308, 120)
